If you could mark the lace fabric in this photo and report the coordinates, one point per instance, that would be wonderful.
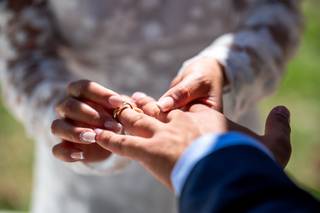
(138, 46)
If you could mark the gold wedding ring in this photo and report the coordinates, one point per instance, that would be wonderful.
(117, 112)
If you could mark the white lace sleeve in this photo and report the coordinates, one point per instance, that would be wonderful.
(33, 75)
(255, 55)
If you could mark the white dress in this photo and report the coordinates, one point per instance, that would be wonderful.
(131, 46)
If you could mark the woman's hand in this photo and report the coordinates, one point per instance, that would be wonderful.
(202, 80)
(87, 106)
(158, 145)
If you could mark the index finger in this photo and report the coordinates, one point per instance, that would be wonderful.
(94, 92)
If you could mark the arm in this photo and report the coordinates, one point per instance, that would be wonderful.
(236, 174)
(255, 56)
(248, 62)
(33, 74)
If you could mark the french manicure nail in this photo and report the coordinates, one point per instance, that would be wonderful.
(138, 95)
(88, 137)
(77, 156)
(115, 101)
(166, 103)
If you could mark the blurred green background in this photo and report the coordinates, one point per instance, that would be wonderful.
(299, 91)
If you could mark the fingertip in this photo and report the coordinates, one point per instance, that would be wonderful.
(278, 121)
(282, 111)
(166, 103)
(138, 95)
(115, 101)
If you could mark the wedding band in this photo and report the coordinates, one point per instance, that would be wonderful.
(117, 112)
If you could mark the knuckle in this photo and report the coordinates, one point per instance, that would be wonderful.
(59, 106)
(56, 151)
(57, 110)
(71, 86)
(121, 145)
(69, 105)
(181, 93)
(151, 109)
(105, 138)
(174, 114)
(77, 88)
(54, 126)
(144, 101)
(137, 120)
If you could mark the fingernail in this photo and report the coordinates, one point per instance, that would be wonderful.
(115, 101)
(165, 103)
(283, 111)
(138, 95)
(112, 125)
(77, 155)
(88, 137)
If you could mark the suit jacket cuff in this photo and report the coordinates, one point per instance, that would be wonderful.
(204, 146)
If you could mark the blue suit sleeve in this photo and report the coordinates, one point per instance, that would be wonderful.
(204, 146)
(241, 178)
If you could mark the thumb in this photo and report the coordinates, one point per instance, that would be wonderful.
(277, 134)
(178, 96)
(187, 91)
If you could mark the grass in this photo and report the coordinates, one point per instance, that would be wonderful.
(16, 152)
(299, 91)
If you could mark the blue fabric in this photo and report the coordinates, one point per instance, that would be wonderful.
(204, 146)
(241, 178)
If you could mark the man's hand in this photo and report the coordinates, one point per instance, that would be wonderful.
(158, 145)
(88, 106)
(202, 80)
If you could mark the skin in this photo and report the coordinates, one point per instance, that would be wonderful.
(158, 145)
(80, 113)
(201, 80)
(87, 106)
